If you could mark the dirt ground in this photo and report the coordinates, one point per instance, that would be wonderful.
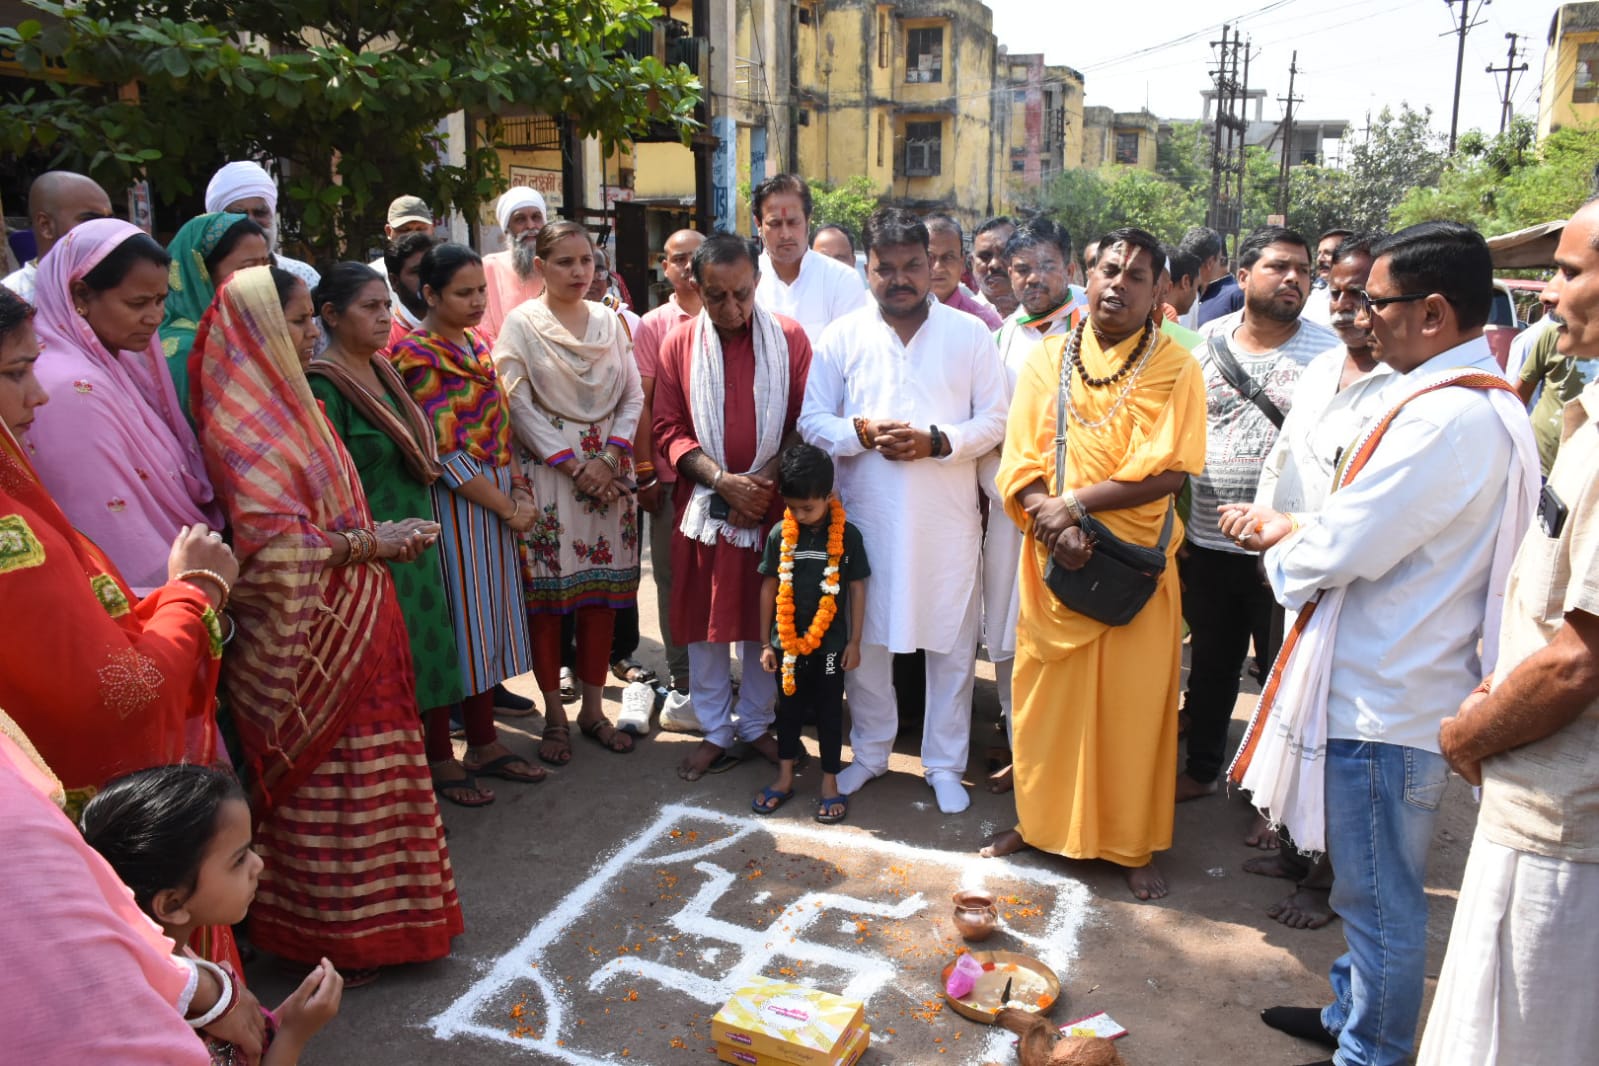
(613, 908)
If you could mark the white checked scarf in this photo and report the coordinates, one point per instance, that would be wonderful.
(707, 397)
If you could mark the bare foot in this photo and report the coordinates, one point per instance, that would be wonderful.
(698, 761)
(1275, 866)
(1147, 882)
(1189, 789)
(999, 782)
(1262, 836)
(1006, 843)
(1303, 908)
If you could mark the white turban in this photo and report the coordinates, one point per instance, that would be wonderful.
(516, 198)
(240, 181)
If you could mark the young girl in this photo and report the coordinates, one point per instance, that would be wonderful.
(180, 838)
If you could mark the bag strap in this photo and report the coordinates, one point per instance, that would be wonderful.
(1060, 420)
(1060, 449)
(1239, 379)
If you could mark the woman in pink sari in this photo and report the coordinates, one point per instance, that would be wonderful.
(113, 447)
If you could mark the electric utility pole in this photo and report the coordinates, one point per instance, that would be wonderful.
(1506, 110)
(1288, 137)
(1467, 21)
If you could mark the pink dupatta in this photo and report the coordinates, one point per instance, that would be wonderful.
(112, 446)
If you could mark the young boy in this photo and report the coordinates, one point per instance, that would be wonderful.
(813, 538)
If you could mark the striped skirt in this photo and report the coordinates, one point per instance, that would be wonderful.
(483, 579)
(355, 865)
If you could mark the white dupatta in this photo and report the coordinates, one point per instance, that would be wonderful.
(1283, 759)
(707, 407)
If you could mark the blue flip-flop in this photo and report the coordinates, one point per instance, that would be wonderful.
(767, 795)
(832, 801)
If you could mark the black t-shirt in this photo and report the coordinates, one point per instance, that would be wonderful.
(810, 560)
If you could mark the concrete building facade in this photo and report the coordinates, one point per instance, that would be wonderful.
(1570, 92)
(1119, 138)
(1044, 125)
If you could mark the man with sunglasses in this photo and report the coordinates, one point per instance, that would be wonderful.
(1406, 561)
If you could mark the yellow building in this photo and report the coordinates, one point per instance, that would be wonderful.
(903, 93)
(1119, 138)
(1570, 93)
(1044, 121)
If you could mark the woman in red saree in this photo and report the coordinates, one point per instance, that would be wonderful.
(319, 679)
(103, 682)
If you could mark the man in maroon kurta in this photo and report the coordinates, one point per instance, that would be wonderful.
(716, 586)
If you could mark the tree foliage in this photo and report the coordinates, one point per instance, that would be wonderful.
(847, 203)
(352, 97)
(1509, 182)
(1091, 203)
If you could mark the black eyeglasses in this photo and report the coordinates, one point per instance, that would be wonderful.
(1365, 300)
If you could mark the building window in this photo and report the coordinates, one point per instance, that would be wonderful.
(1585, 85)
(1018, 96)
(924, 149)
(1018, 165)
(1127, 149)
(882, 135)
(924, 54)
(882, 40)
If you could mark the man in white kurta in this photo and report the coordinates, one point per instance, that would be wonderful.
(908, 395)
(796, 282)
(1039, 253)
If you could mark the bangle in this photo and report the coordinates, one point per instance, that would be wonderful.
(516, 509)
(233, 630)
(1293, 523)
(609, 458)
(363, 545)
(1074, 506)
(717, 480)
(643, 469)
(938, 441)
(649, 483)
(522, 483)
(209, 575)
(860, 432)
(225, 1002)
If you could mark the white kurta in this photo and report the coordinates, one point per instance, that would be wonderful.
(1002, 544)
(1322, 424)
(824, 291)
(919, 519)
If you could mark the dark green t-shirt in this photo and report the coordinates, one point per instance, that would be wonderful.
(810, 559)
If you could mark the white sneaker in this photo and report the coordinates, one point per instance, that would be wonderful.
(638, 701)
(677, 714)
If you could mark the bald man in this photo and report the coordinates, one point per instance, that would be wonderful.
(657, 480)
(58, 200)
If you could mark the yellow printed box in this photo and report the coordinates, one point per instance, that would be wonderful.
(855, 1044)
(787, 1023)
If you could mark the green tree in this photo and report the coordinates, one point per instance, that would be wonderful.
(1184, 158)
(352, 96)
(1509, 182)
(1140, 198)
(848, 204)
(1400, 152)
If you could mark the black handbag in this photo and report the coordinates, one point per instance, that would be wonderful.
(1119, 577)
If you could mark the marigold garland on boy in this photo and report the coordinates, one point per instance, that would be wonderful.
(815, 567)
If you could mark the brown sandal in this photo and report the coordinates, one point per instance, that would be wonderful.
(555, 745)
(606, 735)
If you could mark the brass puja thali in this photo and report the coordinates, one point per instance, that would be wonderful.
(1033, 986)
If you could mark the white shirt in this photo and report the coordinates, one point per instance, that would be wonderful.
(1320, 426)
(1318, 307)
(919, 519)
(24, 281)
(1412, 540)
(825, 290)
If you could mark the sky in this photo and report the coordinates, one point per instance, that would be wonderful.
(1354, 55)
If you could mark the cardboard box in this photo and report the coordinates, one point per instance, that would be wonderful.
(855, 1045)
(787, 1023)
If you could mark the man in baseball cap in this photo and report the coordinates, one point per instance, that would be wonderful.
(408, 214)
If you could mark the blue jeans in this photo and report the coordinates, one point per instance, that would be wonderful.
(1382, 803)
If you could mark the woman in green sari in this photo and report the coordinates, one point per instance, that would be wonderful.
(395, 450)
(207, 251)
